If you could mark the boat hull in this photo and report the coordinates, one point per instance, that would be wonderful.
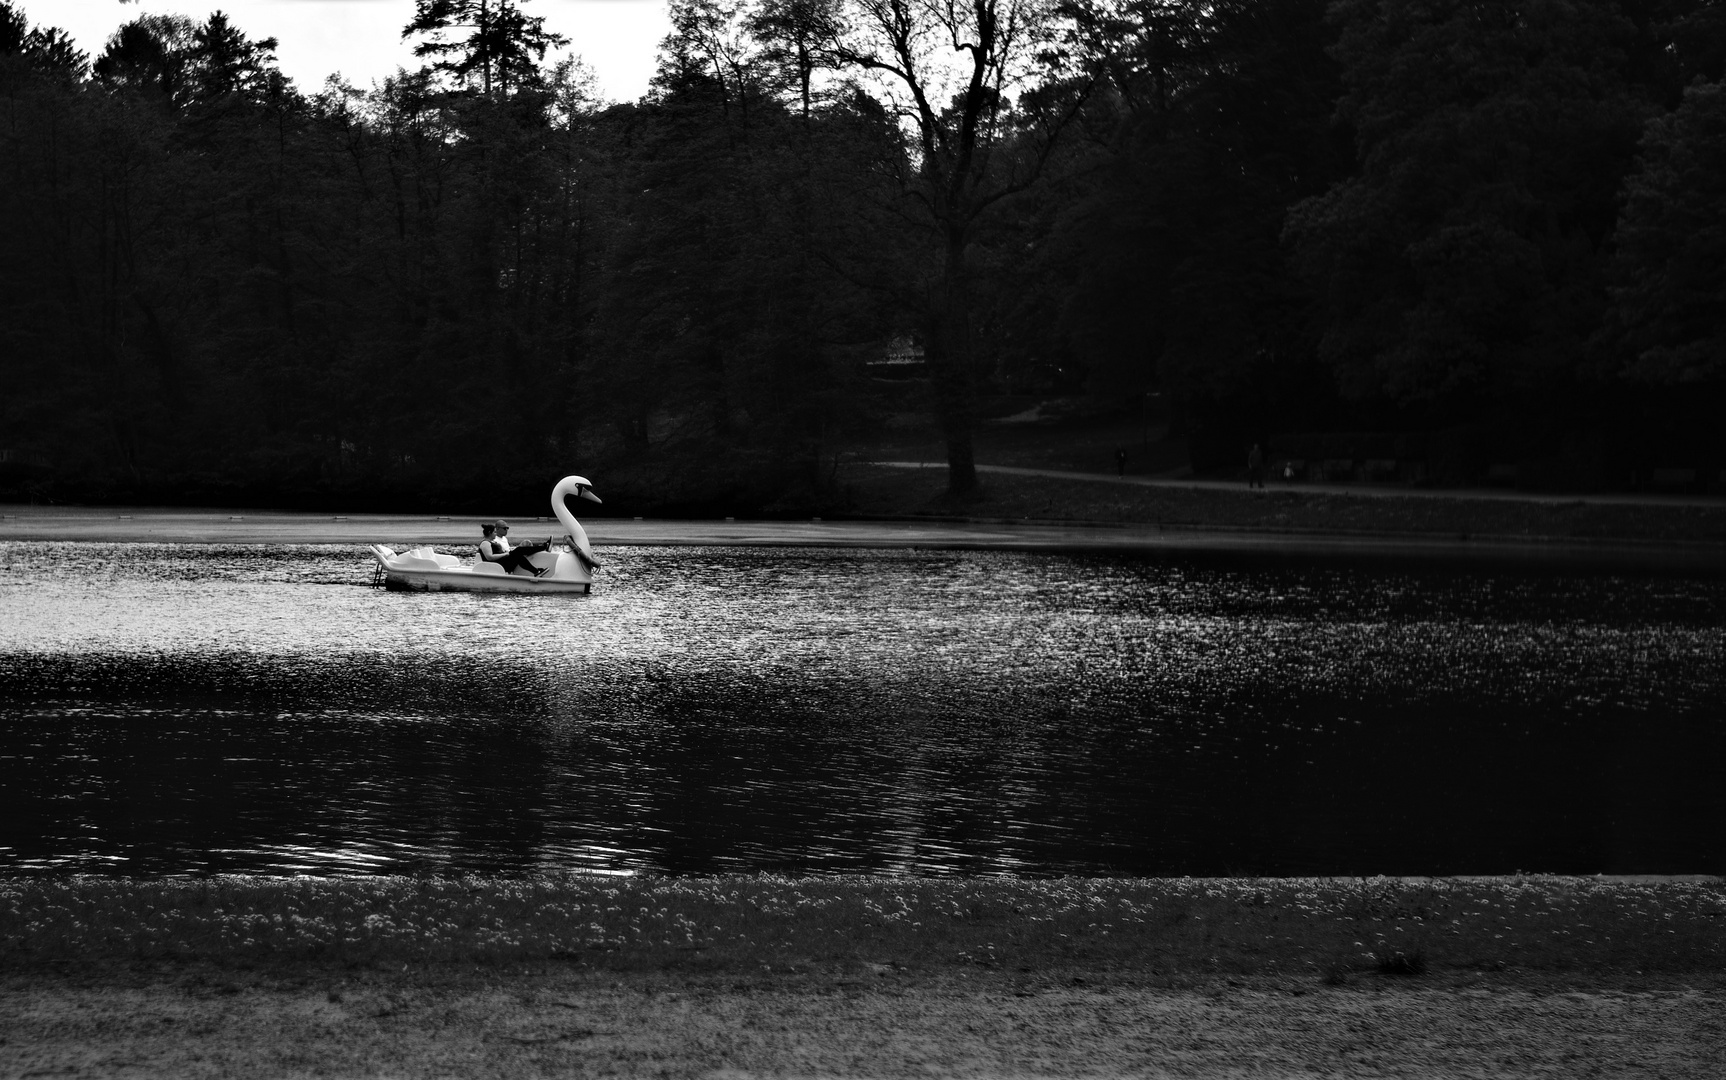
(468, 581)
(423, 570)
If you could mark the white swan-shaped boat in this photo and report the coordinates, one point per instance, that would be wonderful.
(569, 571)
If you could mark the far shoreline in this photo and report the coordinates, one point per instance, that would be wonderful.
(1698, 556)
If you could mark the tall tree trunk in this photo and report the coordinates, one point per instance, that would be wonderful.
(485, 47)
(952, 366)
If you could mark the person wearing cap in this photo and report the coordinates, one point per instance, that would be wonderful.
(494, 547)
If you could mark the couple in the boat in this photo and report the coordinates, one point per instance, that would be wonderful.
(494, 547)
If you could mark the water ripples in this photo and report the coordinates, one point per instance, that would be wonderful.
(179, 708)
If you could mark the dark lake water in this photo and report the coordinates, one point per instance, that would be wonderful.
(190, 709)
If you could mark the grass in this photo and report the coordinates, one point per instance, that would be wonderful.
(1325, 928)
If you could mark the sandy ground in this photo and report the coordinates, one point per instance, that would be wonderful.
(485, 1024)
(143, 525)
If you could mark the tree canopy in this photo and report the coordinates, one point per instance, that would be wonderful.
(491, 43)
(1282, 216)
(1669, 300)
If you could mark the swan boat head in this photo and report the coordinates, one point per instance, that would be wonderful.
(582, 487)
(573, 485)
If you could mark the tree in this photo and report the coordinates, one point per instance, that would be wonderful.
(14, 30)
(795, 34)
(729, 340)
(149, 55)
(225, 64)
(709, 54)
(1462, 265)
(503, 46)
(1669, 299)
(1163, 261)
(1691, 35)
(46, 48)
(949, 70)
(212, 64)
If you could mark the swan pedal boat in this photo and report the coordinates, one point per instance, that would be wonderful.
(571, 571)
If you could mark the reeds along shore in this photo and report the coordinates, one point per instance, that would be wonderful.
(1324, 928)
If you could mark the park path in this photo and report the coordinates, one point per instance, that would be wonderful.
(1365, 490)
(34, 524)
(24, 525)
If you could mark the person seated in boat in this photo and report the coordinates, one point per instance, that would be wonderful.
(487, 537)
(501, 528)
(494, 547)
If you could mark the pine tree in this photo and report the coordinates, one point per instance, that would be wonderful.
(501, 49)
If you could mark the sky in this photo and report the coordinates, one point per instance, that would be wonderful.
(362, 39)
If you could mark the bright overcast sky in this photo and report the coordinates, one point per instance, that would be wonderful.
(362, 39)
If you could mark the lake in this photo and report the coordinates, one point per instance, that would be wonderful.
(184, 709)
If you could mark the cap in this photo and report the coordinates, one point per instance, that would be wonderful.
(500, 524)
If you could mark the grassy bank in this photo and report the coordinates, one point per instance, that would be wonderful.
(880, 977)
(1319, 928)
(876, 491)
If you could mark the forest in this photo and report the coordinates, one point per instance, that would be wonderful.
(1487, 231)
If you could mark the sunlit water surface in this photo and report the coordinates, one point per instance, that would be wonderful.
(187, 709)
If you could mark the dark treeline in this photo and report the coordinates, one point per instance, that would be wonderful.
(1485, 232)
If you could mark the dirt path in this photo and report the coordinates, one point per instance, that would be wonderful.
(482, 1024)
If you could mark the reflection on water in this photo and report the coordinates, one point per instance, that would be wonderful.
(184, 709)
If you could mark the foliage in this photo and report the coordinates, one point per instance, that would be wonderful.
(1671, 246)
(946, 75)
(503, 47)
(216, 285)
(1463, 262)
(1172, 274)
(47, 49)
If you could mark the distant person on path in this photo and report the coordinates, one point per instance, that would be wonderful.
(494, 547)
(1120, 461)
(1256, 467)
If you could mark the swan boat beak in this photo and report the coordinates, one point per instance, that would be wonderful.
(587, 493)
